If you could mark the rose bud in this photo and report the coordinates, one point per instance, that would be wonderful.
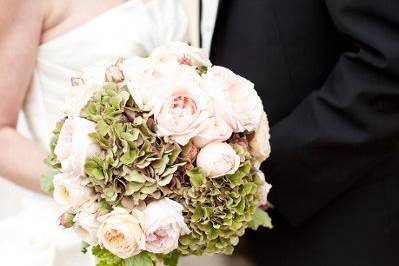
(218, 159)
(114, 74)
(190, 152)
(77, 81)
(67, 220)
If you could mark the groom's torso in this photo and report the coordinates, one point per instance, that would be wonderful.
(288, 48)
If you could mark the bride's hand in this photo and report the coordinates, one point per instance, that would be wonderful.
(21, 160)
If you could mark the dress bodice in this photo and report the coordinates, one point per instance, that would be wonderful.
(133, 28)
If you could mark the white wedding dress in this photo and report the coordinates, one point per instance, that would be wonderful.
(29, 235)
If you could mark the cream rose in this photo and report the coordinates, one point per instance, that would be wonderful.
(181, 53)
(74, 145)
(217, 130)
(235, 99)
(86, 224)
(264, 190)
(70, 192)
(163, 224)
(120, 233)
(185, 109)
(260, 141)
(218, 159)
(146, 80)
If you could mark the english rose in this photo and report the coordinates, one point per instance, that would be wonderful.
(69, 191)
(147, 81)
(218, 159)
(163, 224)
(74, 145)
(120, 233)
(86, 224)
(264, 190)
(259, 143)
(217, 130)
(185, 110)
(235, 99)
(181, 53)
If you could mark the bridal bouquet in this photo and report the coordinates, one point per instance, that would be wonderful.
(159, 157)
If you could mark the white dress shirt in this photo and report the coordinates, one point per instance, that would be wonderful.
(209, 12)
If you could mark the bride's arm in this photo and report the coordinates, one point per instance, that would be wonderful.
(21, 160)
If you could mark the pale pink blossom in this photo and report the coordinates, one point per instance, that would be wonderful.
(218, 159)
(181, 53)
(235, 99)
(217, 130)
(163, 224)
(185, 110)
(74, 145)
(86, 224)
(69, 191)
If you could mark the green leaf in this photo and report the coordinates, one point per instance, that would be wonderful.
(142, 259)
(106, 258)
(104, 206)
(115, 101)
(202, 70)
(172, 258)
(133, 187)
(149, 189)
(102, 128)
(160, 165)
(84, 247)
(197, 176)
(134, 176)
(129, 157)
(47, 184)
(260, 218)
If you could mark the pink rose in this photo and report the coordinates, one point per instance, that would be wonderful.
(147, 81)
(181, 53)
(235, 99)
(185, 110)
(163, 224)
(86, 224)
(74, 145)
(70, 191)
(217, 130)
(218, 159)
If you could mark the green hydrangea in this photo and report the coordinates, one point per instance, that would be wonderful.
(135, 162)
(219, 210)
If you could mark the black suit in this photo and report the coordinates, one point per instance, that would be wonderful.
(328, 74)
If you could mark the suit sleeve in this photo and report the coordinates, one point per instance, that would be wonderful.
(350, 124)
